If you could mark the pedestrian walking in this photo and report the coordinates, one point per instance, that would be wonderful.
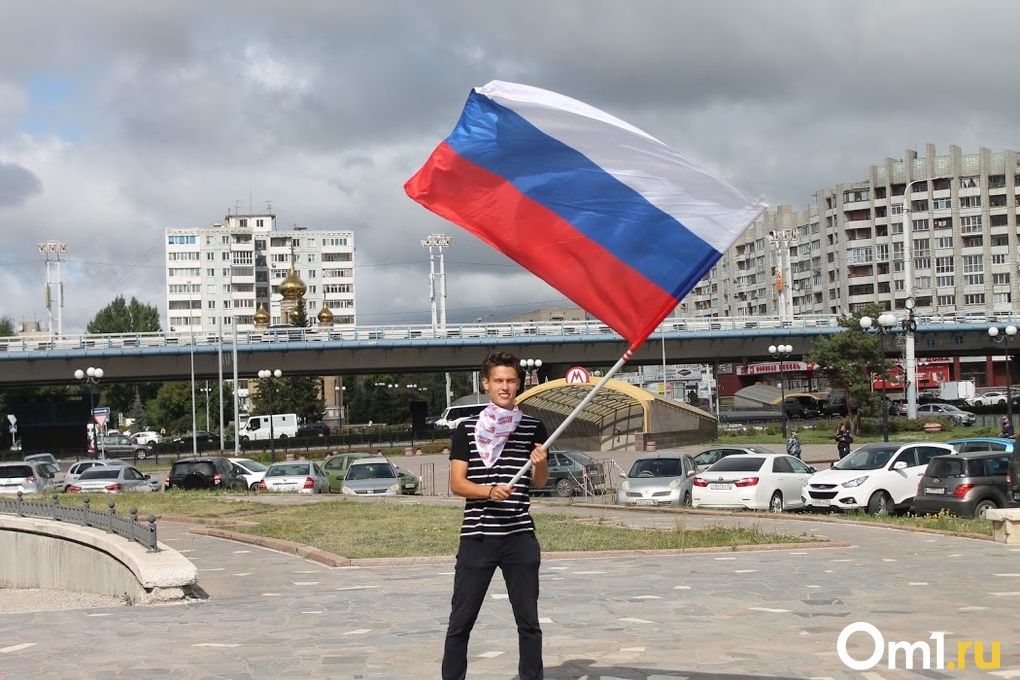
(844, 438)
(486, 451)
(1007, 428)
(793, 445)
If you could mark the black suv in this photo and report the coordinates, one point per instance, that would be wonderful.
(313, 430)
(966, 484)
(205, 473)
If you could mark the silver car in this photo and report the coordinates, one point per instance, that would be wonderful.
(77, 469)
(371, 477)
(658, 479)
(302, 476)
(26, 476)
(111, 479)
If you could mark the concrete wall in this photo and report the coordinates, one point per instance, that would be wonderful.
(37, 553)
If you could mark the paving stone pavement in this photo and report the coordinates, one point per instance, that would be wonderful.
(733, 616)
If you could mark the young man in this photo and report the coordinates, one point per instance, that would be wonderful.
(486, 451)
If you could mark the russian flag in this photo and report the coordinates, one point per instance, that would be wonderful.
(605, 213)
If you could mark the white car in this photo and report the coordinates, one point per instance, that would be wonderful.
(111, 479)
(294, 476)
(147, 437)
(252, 471)
(988, 399)
(25, 476)
(752, 481)
(880, 477)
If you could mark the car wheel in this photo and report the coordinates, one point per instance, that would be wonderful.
(688, 501)
(140, 455)
(982, 507)
(245, 438)
(254, 486)
(776, 502)
(879, 503)
(283, 436)
(564, 489)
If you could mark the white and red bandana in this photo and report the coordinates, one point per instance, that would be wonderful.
(495, 424)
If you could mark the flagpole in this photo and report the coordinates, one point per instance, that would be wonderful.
(577, 411)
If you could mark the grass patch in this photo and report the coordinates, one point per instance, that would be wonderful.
(380, 529)
(943, 521)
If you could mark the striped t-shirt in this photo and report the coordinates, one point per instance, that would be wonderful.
(498, 518)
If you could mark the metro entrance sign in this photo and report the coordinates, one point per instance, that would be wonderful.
(577, 375)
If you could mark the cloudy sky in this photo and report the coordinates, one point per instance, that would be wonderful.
(121, 118)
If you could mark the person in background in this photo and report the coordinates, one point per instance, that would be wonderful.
(844, 438)
(793, 445)
(1007, 428)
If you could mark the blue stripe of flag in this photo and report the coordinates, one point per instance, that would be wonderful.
(599, 206)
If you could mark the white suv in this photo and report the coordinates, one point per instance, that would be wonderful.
(880, 477)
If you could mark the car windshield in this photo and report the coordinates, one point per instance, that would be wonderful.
(184, 468)
(945, 466)
(16, 472)
(371, 471)
(737, 464)
(758, 449)
(252, 465)
(288, 470)
(46, 457)
(100, 473)
(867, 458)
(578, 457)
(655, 467)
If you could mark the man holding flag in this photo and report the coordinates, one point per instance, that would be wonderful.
(497, 531)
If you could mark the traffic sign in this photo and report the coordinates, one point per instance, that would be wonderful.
(577, 375)
(101, 415)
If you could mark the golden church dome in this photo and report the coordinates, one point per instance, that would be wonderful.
(325, 316)
(261, 315)
(292, 287)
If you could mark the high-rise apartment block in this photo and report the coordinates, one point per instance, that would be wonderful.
(228, 271)
(950, 244)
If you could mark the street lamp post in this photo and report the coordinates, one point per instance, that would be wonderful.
(530, 368)
(91, 376)
(885, 326)
(271, 376)
(1007, 334)
(206, 390)
(781, 353)
(339, 390)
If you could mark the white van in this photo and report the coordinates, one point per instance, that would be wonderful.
(454, 414)
(258, 427)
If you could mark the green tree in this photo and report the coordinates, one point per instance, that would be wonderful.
(848, 360)
(125, 317)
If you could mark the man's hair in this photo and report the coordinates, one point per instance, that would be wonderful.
(500, 359)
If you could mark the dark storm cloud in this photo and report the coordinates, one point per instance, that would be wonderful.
(17, 184)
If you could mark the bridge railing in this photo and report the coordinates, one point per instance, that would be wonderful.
(127, 527)
(397, 332)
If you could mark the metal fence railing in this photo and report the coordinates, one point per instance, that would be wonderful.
(130, 528)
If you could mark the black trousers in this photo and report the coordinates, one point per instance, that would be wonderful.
(518, 556)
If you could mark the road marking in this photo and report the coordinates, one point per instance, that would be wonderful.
(647, 597)
(769, 610)
(214, 569)
(1006, 594)
(215, 644)
(360, 631)
(1006, 674)
(916, 583)
(272, 594)
(725, 558)
(357, 588)
(744, 571)
(244, 573)
(320, 612)
(585, 573)
(972, 608)
(797, 553)
(1007, 574)
(97, 614)
(499, 596)
(545, 619)
(17, 648)
(241, 552)
(633, 620)
(681, 587)
(633, 649)
(306, 583)
(490, 655)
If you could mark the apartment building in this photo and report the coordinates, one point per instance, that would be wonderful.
(226, 272)
(949, 243)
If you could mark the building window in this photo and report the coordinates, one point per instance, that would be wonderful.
(944, 265)
(973, 241)
(243, 222)
(973, 263)
(947, 300)
(1001, 298)
(944, 203)
(1000, 240)
(919, 225)
(945, 281)
(922, 263)
(259, 222)
(971, 182)
(1001, 279)
(944, 242)
(973, 279)
(922, 247)
(896, 209)
(1000, 258)
(970, 201)
(974, 299)
(970, 224)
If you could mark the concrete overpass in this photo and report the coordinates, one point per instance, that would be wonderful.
(420, 348)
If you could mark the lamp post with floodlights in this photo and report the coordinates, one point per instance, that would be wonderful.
(1005, 336)
(885, 326)
(530, 368)
(781, 353)
(270, 377)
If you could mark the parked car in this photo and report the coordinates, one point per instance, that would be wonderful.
(121, 446)
(371, 476)
(752, 481)
(213, 472)
(988, 399)
(972, 444)
(571, 472)
(203, 437)
(297, 476)
(881, 477)
(42, 458)
(947, 411)
(50, 467)
(706, 458)
(76, 469)
(664, 478)
(252, 471)
(335, 467)
(147, 437)
(965, 485)
(313, 430)
(409, 481)
(111, 479)
(27, 477)
(802, 406)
